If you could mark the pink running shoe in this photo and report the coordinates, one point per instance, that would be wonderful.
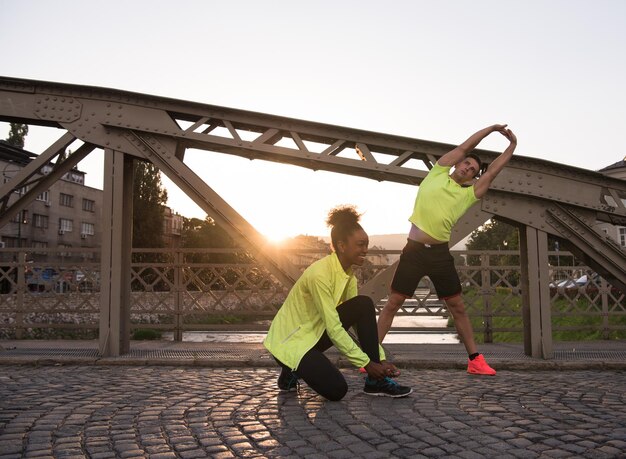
(478, 366)
(362, 370)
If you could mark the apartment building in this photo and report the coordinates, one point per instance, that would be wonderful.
(65, 216)
(68, 215)
(172, 228)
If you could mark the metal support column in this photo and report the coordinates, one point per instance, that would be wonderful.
(487, 292)
(179, 300)
(117, 213)
(536, 309)
(21, 293)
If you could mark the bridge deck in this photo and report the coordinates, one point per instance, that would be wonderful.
(567, 355)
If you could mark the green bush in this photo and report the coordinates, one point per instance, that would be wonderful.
(575, 326)
(146, 334)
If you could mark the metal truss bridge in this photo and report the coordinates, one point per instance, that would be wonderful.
(540, 197)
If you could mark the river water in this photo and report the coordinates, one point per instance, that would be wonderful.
(422, 337)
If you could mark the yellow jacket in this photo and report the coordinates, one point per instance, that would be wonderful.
(311, 308)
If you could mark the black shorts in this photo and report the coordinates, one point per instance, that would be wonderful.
(419, 260)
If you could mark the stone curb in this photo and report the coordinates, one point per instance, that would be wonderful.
(409, 363)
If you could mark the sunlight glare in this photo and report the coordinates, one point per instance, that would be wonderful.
(276, 238)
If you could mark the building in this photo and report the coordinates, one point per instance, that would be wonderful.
(304, 250)
(618, 233)
(172, 228)
(378, 259)
(66, 215)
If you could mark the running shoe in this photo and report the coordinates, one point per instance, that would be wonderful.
(478, 366)
(385, 388)
(287, 380)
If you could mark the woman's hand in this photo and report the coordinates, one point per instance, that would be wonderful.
(390, 369)
(375, 370)
(381, 370)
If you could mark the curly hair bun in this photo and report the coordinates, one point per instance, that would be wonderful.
(345, 215)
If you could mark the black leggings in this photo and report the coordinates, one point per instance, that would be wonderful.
(315, 368)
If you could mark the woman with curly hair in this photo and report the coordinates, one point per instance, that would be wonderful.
(322, 305)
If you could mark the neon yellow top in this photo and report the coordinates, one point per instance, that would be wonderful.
(311, 308)
(440, 202)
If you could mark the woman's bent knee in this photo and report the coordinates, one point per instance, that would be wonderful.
(337, 392)
(364, 300)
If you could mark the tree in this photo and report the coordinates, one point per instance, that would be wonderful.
(17, 134)
(149, 199)
(498, 235)
(494, 235)
(206, 234)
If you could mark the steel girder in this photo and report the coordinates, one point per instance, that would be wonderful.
(161, 129)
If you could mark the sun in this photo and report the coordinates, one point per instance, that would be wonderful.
(276, 239)
(274, 233)
(278, 230)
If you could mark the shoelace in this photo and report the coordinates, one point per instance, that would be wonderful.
(387, 382)
(293, 382)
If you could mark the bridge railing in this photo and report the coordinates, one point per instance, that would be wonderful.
(182, 290)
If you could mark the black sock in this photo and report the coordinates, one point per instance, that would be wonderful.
(474, 355)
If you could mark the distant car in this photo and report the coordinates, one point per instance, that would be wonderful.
(588, 284)
(594, 283)
(566, 284)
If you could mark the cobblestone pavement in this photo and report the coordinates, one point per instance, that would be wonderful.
(169, 412)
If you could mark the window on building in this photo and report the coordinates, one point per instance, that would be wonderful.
(65, 246)
(21, 191)
(87, 228)
(622, 236)
(40, 221)
(66, 200)
(65, 225)
(39, 245)
(21, 217)
(44, 197)
(13, 242)
(89, 205)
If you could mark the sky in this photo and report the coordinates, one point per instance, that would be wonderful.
(434, 70)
